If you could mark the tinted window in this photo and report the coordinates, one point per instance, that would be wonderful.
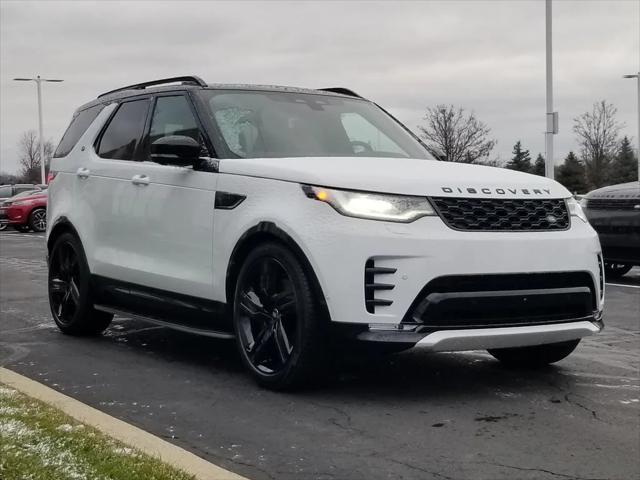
(79, 124)
(5, 191)
(173, 116)
(123, 133)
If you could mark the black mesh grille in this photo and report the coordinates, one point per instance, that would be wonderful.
(613, 203)
(470, 301)
(502, 214)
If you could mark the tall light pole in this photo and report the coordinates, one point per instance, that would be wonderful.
(637, 76)
(551, 116)
(39, 81)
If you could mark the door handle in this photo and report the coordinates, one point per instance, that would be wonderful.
(83, 172)
(140, 180)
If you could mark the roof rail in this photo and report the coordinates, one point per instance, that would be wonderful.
(186, 80)
(341, 90)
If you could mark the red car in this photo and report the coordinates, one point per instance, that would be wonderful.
(26, 213)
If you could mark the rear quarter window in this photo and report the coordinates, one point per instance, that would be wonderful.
(79, 124)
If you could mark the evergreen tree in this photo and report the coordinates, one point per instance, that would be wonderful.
(538, 166)
(571, 174)
(624, 167)
(521, 159)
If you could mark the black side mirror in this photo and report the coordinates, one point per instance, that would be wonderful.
(175, 150)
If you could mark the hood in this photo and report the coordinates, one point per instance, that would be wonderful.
(28, 198)
(621, 190)
(399, 175)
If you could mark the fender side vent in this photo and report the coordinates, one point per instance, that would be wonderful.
(375, 280)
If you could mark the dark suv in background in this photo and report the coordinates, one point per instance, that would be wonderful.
(614, 212)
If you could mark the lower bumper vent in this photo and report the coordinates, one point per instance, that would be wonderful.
(376, 279)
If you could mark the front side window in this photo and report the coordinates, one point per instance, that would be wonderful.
(6, 191)
(123, 134)
(292, 124)
(79, 124)
(173, 116)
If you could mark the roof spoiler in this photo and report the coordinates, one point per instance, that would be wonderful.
(186, 80)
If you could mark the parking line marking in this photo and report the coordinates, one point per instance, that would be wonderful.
(622, 285)
(144, 441)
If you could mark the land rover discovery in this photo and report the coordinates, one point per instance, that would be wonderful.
(300, 216)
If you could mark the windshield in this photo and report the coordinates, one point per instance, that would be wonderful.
(26, 193)
(255, 124)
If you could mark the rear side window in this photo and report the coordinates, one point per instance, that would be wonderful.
(122, 136)
(79, 124)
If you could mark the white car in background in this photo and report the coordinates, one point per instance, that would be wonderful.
(301, 215)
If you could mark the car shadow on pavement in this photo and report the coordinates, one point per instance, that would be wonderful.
(410, 374)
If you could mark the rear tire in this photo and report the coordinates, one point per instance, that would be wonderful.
(616, 270)
(535, 356)
(69, 290)
(38, 220)
(277, 319)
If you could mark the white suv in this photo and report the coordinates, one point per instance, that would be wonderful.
(288, 218)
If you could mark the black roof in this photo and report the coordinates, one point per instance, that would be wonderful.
(196, 83)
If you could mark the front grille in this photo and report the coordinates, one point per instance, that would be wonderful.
(475, 301)
(613, 203)
(501, 214)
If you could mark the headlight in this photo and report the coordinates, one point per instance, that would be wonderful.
(575, 210)
(372, 206)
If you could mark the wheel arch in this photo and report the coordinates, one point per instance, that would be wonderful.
(261, 233)
(60, 226)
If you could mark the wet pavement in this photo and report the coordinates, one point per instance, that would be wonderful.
(406, 416)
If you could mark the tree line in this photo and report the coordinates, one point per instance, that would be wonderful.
(29, 160)
(452, 134)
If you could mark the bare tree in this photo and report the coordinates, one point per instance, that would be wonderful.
(29, 151)
(597, 133)
(453, 135)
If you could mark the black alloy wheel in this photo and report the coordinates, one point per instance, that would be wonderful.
(69, 290)
(616, 270)
(38, 220)
(276, 321)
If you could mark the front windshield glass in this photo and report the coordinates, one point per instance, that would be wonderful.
(26, 193)
(254, 124)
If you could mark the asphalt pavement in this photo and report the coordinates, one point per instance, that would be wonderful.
(406, 416)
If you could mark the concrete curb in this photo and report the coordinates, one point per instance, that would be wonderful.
(122, 431)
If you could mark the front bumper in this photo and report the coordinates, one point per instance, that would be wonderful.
(16, 215)
(485, 338)
(415, 254)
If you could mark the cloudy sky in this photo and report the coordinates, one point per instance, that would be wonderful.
(487, 56)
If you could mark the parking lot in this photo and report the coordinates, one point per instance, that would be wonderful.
(410, 415)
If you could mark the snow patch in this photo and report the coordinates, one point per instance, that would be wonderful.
(7, 392)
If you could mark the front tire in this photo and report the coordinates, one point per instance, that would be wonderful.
(616, 270)
(276, 317)
(69, 290)
(38, 220)
(535, 356)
